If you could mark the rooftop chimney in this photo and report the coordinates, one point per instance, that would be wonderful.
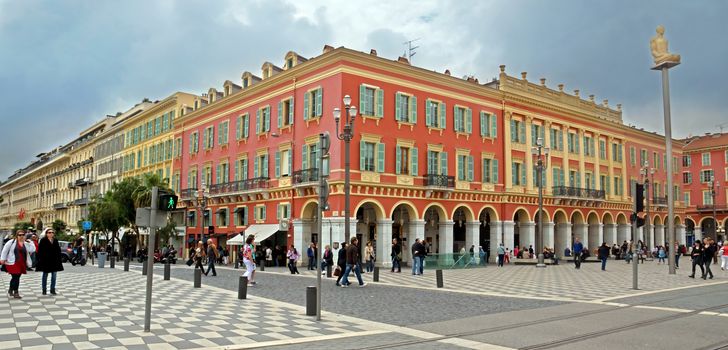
(543, 81)
(591, 98)
(447, 72)
(502, 68)
(328, 48)
(576, 92)
(373, 52)
(403, 60)
(523, 75)
(605, 103)
(561, 87)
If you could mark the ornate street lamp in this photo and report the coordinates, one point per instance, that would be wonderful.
(203, 195)
(714, 187)
(346, 136)
(540, 157)
(647, 173)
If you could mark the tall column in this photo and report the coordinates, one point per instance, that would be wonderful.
(549, 174)
(698, 234)
(623, 233)
(472, 237)
(507, 153)
(446, 241)
(298, 233)
(563, 234)
(416, 230)
(508, 234)
(596, 235)
(581, 232)
(610, 234)
(626, 191)
(529, 160)
(659, 235)
(527, 232)
(641, 234)
(582, 166)
(610, 167)
(496, 238)
(384, 242)
(680, 234)
(548, 235)
(565, 159)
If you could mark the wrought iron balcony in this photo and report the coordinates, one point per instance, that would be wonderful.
(709, 208)
(72, 185)
(188, 193)
(659, 200)
(442, 181)
(83, 182)
(81, 201)
(305, 175)
(59, 206)
(257, 183)
(576, 192)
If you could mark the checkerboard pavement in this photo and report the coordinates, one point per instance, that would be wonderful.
(106, 311)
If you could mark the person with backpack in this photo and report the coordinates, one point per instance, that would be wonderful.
(578, 247)
(249, 259)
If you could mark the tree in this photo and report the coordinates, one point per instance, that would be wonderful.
(22, 225)
(166, 232)
(106, 216)
(59, 226)
(39, 225)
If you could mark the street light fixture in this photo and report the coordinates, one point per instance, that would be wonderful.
(540, 155)
(714, 187)
(346, 136)
(647, 173)
(203, 196)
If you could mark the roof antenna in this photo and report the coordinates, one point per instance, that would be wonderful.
(410, 50)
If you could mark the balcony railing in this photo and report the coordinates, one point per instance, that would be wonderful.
(81, 201)
(257, 183)
(444, 181)
(83, 182)
(59, 206)
(305, 175)
(72, 185)
(718, 207)
(659, 200)
(576, 192)
(188, 193)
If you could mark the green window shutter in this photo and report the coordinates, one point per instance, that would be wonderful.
(493, 126)
(468, 121)
(380, 157)
(362, 99)
(278, 164)
(555, 176)
(514, 131)
(542, 134)
(523, 175)
(471, 168)
(362, 154)
(217, 174)
(189, 180)
(397, 108)
(443, 163)
(291, 110)
(219, 133)
(576, 143)
(265, 165)
(461, 167)
(304, 157)
(267, 119)
(456, 120)
(443, 115)
(495, 171)
(237, 171)
(485, 171)
(380, 103)
(414, 161)
(246, 125)
(255, 167)
(280, 114)
(533, 134)
(397, 160)
(561, 140)
(514, 174)
(413, 110)
(192, 142)
(428, 113)
(239, 128)
(483, 124)
(319, 95)
(257, 122)
(522, 133)
(306, 105)
(245, 170)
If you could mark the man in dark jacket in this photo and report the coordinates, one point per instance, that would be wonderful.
(352, 263)
(604, 254)
(396, 255)
(212, 254)
(341, 262)
(417, 249)
(708, 254)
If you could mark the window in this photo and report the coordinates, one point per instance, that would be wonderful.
(589, 181)
(192, 178)
(284, 211)
(726, 158)
(242, 125)
(618, 188)
(371, 101)
(165, 122)
(643, 157)
(367, 156)
(194, 142)
(488, 125)
(178, 147)
(405, 108)
(260, 166)
(706, 158)
(707, 198)
(222, 217)
(406, 160)
(241, 169)
(208, 138)
(435, 114)
(706, 176)
(617, 152)
(289, 63)
(518, 174)
(557, 140)
(262, 120)
(222, 133)
(157, 126)
(465, 167)
(191, 218)
(602, 149)
(207, 175)
(686, 198)
(557, 175)
(436, 163)
(260, 213)
(309, 156)
(574, 178)
(222, 173)
(536, 132)
(686, 160)
(535, 178)
(241, 216)
(168, 149)
(283, 163)
(573, 143)
(655, 161)
(245, 83)
(588, 146)
(490, 171)
(687, 178)
(604, 184)
(518, 131)
(285, 113)
(463, 119)
(176, 182)
(632, 156)
(312, 107)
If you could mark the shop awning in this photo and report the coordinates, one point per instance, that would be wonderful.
(261, 232)
(237, 240)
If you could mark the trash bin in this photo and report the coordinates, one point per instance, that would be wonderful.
(102, 259)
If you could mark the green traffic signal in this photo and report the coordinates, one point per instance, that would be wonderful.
(167, 202)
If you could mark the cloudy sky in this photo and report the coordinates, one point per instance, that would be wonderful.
(66, 64)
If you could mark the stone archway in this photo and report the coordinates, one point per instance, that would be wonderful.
(609, 229)
(372, 226)
(690, 234)
(438, 233)
(305, 229)
(490, 235)
(548, 232)
(708, 227)
(578, 228)
(464, 229)
(406, 228)
(594, 232)
(524, 230)
(562, 238)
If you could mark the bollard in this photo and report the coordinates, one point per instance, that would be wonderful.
(144, 268)
(237, 263)
(376, 274)
(198, 278)
(262, 266)
(112, 262)
(328, 271)
(243, 288)
(167, 271)
(438, 275)
(126, 264)
(310, 301)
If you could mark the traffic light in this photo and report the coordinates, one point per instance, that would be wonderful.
(167, 202)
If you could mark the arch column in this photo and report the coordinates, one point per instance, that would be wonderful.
(680, 234)
(596, 236)
(641, 233)
(527, 233)
(623, 233)
(299, 231)
(698, 233)
(472, 237)
(384, 242)
(581, 232)
(508, 234)
(446, 241)
(651, 234)
(610, 234)
(563, 232)
(548, 235)
(659, 235)
(416, 230)
(496, 238)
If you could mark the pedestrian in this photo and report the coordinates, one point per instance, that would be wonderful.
(678, 251)
(15, 257)
(328, 258)
(501, 254)
(416, 249)
(292, 258)
(483, 256)
(198, 255)
(516, 251)
(49, 259)
(661, 255)
(697, 256)
(212, 256)
(724, 256)
(249, 259)
(508, 256)
(34, 256)
(369, 256)
(311, 257)
(341, 263)
(708, 255)
(396, 256)
(352, 259)
(578, 247)
(268, 256)
(276, 255)
(603, 254)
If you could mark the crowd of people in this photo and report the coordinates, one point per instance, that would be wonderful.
(23, 252)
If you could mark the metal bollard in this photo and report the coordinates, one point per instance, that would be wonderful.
(112, 262)
(126, 264)
(144, 268)
(328, 271)
(198, 278)
(167, 271)
(262, 266)
(310, 301)
(237, 263)
(243, 288)
(376, 274)
(438, 274)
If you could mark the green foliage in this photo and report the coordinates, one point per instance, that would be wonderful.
(142, 195)
(59, 226)
(23, 225)
(39, 225)
(166, 232)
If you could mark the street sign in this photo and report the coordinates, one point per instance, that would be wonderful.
(142, 217)
(87, 225)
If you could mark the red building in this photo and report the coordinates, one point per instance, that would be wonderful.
(434, 157)
(705, 185)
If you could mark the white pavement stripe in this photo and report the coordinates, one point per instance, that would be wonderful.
(671, 309)
(471, 344)
(297, 340)
(659, 291)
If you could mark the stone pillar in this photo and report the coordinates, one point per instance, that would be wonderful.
(680, 234)
(563, 235)
(496, 238)
(446, 242)
(623, 233)
(698, 232)
(384, 242)
(508, 233)
(640, 233)
(651, 236)
(610, 234)
(298, 242)
(548, 235)
(507, 152)
(596, 236)
(530, 172)
(472, 237)
(581, 232)
(528, 234)
(416, 230)
(659, 235)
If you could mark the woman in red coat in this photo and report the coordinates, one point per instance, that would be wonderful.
(15, 257)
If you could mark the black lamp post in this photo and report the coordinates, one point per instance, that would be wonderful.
(346, 136)
(203, 196)
(540, 155)
(648, 172)
(714, 187)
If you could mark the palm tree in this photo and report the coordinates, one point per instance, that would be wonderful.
(142, 195)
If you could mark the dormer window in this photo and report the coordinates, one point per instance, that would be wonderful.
(197, 105)
(245, 82)
(228, 91)
(267, 73)
(289, 63)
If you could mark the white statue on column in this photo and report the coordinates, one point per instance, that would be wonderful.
(658, 46)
